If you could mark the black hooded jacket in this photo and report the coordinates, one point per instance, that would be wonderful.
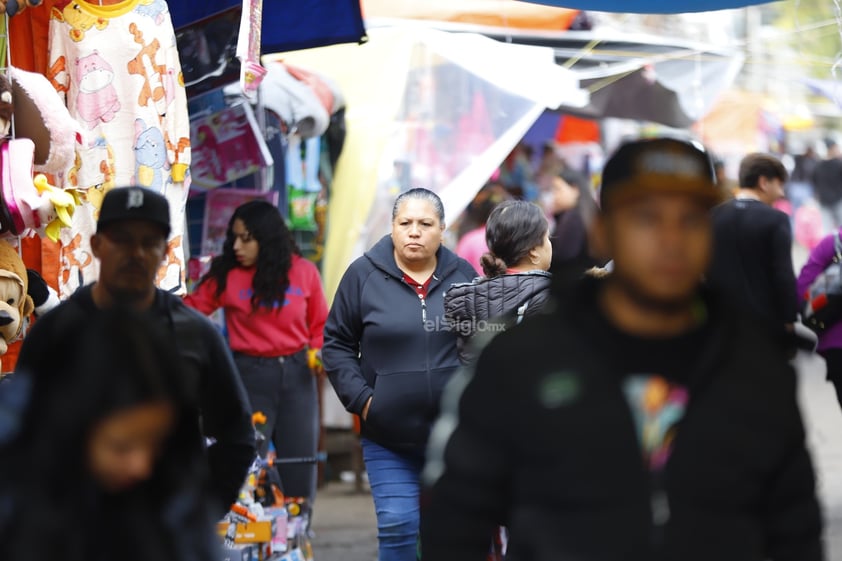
(493, 304)
(207, 367)
(382, 340)
(593, 444)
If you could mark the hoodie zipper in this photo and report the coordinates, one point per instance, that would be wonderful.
(423, 300)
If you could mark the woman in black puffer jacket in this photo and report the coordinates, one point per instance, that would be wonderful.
(516, 282)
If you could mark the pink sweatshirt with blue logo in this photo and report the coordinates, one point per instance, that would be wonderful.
(285, 329)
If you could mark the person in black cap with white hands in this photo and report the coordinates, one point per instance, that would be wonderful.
(130, 242)
(641, 420)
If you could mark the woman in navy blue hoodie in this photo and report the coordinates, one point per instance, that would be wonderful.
(389, 352)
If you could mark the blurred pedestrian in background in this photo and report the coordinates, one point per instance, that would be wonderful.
(472, 246)
(644, 419)
(275, 312)
(104, 458)
(516, 283)
(130, 243)
(388, 353)
(830, 340)
(752, 246)
(827, 186)
(516, 173)
(572, 207)
(549, 166)
(800, 187)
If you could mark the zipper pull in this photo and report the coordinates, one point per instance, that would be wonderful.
(423, 309)
(660, 507)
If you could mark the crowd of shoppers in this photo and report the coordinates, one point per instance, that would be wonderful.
(628, 423)
(597, 418)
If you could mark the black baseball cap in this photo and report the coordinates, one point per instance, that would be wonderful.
(659, 165)
(134, 203)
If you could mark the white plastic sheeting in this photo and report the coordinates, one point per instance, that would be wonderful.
(426, 108)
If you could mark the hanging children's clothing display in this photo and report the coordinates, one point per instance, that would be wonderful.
(118, 68)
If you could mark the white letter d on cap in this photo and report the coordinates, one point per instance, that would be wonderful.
(135, 199)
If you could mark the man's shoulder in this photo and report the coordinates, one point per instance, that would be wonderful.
(180, 312)
(556, 331)
(749, 212)
(76, 308)
(769, 217)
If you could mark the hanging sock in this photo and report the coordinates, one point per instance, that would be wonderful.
(294, 164)
(312, 148)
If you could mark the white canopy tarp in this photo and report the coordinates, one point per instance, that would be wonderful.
(426, 108)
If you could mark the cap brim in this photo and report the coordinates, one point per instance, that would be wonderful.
(704, 191)
(102, 224)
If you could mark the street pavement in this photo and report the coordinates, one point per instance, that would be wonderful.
(345, 526)
(823, 421)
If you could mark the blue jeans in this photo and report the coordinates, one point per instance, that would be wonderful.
(395, 486)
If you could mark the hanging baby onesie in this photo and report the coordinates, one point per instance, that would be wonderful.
(117, 67)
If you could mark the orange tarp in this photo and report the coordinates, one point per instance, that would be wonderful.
(494, 13)
(575, 129)
(733, 122)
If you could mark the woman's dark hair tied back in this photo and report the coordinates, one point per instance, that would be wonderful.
(492, 266)
(512, 230)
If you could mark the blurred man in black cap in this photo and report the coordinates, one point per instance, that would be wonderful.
(130, 242)
(643, 419)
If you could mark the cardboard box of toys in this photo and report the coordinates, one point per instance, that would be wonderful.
(261, 531)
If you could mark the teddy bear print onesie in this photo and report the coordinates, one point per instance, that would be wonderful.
(118, 71)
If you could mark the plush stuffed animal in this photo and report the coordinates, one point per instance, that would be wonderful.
(15, 302)
(6, 105)
(41, 115)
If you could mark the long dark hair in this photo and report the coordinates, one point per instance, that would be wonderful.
(586, 204)
(274, 260)
(513, 228)
(119, 362)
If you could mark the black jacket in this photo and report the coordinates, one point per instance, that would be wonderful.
(570, 242)
(752, 259)
(381, 340)
(545, 441)
(507, 299)
(208, 369)
(827, 181)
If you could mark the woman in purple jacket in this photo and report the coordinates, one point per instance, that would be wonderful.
(830, 341)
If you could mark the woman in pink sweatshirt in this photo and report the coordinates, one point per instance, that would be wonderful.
(275, 312)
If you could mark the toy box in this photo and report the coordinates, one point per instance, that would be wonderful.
(261, 531)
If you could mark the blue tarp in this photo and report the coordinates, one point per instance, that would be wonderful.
(649, 6)
(287, 24)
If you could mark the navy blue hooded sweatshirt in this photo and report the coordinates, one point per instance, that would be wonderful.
(382, 340)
